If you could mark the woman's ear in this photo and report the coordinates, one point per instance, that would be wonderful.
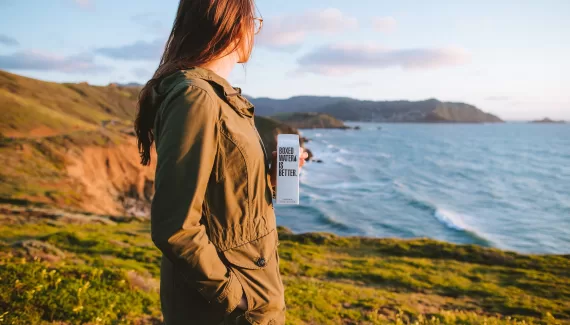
(245, 48)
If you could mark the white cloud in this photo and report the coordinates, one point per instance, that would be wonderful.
(151, 22)
(141, 73)
(139, 50)
(8, 41)
(36, 60)
(288, 32)
(498, 98)
(358, 84)
(83, 3)
(384, 24)
(347, 58)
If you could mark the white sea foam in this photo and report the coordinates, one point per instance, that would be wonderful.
(342, 161)
(452, 220)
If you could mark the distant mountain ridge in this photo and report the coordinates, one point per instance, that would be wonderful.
(348, 109)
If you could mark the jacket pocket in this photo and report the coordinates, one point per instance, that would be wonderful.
(256, 265)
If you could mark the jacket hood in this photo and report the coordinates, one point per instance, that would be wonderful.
(232, 95)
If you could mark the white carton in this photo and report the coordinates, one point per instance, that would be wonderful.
(287, 169)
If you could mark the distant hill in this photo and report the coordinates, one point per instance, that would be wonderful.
(72, 145)
(130, 84)
(269, 129)
(546, 120)
(34, 107)
(310, 120)
(347, 109)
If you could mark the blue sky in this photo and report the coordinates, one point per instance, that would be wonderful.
(507, 57)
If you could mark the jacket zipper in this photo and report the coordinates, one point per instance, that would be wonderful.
(264, 155)
(260, 141)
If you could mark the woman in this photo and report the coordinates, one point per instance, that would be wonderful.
(212, 214)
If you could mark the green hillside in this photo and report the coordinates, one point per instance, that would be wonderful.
(58, 267)
(38, 108)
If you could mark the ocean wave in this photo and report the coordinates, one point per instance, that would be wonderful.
(335, 224)
(456, 222)
(343, 162)
(303, 175)
(327, 220)
(333, 192)
(450, 219)
(402, 232)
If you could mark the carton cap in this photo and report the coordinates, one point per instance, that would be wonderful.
(288, 137)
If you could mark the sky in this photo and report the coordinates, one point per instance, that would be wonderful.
(510, 58)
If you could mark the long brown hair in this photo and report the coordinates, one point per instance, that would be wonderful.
(203, 30)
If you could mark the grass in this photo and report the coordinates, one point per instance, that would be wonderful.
(35, 292)
(109, 273)
(52, 108)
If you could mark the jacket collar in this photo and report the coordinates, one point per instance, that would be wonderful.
(232, 95)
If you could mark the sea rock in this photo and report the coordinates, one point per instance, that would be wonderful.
(547, 120)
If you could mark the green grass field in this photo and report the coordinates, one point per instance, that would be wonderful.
(61, 267)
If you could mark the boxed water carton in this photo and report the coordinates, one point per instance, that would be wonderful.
(288, 169)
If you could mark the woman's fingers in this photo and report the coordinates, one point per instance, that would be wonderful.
(303, 157)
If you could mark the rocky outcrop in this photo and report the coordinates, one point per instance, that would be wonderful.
(112, 180)
(310, 120)
(546, 120)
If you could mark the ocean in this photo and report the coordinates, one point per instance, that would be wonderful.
(495, 185)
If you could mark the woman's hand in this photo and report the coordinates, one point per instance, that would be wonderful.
(243, 303)
(302, 159)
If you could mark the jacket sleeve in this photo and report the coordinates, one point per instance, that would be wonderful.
(186, 147)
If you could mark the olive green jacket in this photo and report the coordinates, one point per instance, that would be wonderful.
(212, 213)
